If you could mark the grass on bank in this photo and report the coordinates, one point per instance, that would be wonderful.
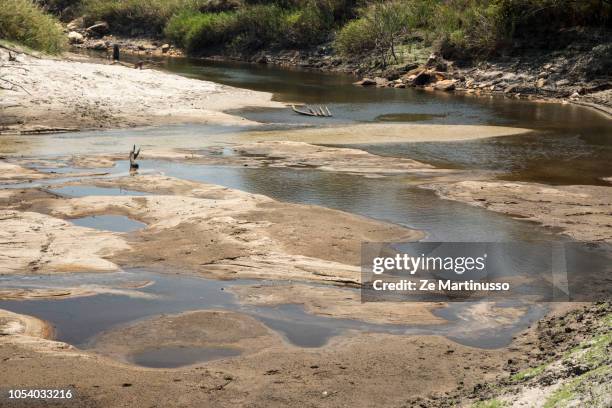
(372, 29)
(467, 28)
(24, 22)
(251, 27)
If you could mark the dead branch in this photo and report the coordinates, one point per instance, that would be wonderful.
(6, 47)
(14, 84)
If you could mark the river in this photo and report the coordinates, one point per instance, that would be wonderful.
(568, 145)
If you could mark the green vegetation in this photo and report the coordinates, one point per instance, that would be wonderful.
(26, 23)
(528, 373)
(591, 389)
(145, 17)
(258, 24)
(494, 403)
(384, 32)
(466, 28)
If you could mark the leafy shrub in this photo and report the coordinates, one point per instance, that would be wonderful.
(309, 25)
(147, 17)
(197, 31)
(24, 22)
(355, 38)
(380, 28)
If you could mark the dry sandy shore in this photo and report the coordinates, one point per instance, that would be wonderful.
(79, 95)
(581, 212)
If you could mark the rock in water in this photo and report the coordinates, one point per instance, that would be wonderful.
(365, 82)
(445, 85)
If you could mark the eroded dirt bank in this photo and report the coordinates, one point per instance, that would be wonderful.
(46, 95)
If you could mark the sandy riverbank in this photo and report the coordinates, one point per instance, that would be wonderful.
(203, 228)
(581, 212)
(57, 94)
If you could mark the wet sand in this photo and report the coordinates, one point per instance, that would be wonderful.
(581, 212)
(203, 228)
(384, 133)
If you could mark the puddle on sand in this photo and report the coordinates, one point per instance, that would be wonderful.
(86, 190)
(114, 223)
(172, 357)
(79, 320)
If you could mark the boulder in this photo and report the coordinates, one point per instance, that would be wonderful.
(445, 85)
(381, 82)
(262, 59)
(99, 29)
(75, 38)
(424, 78)
(541, 83)
(165, 48)
(97, 45)
(365, 82)
(76, 24)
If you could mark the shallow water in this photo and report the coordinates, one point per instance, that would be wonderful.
(78, 320)
(389, 199)
(114, 223)
(85, 190)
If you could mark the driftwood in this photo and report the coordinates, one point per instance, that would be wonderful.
(13, 85)
(317, 111)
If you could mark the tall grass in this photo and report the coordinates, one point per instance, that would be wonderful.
(24, 22)
(196, 31)
(146, 17)
(468, 28)
(300, 23)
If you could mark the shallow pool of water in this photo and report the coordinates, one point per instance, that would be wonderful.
(86, 190)
(114, 223)
(78, 320)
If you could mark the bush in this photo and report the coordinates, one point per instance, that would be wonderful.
(469, 26)
(355, 38)
(310, 25)
(197, 31)
(259, 26)
(64, 9)
(146, 17)
(380, 28)
(24, 22)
